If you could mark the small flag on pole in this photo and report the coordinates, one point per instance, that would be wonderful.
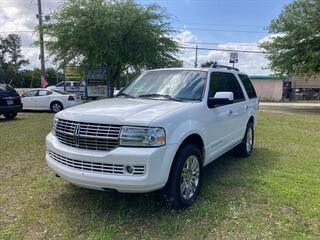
(44, 82)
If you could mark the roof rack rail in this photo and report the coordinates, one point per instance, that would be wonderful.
(224, 66)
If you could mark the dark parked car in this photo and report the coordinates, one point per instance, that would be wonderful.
(10, 101)
(316, 96)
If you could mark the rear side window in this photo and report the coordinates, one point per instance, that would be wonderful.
(225, 82)
(44, 93)
(248, 86)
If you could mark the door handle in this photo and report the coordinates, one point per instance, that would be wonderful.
(246, 107)
(229, 112)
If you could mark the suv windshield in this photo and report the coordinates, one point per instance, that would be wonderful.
(169, 84)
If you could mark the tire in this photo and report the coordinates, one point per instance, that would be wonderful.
(10, 115)
(56, 107)
(183, 187)
(244, 149)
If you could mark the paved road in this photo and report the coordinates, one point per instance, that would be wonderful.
(289, 104)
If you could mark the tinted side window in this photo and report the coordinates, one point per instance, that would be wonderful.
(30, 93)
(248, 86)
(225, 82)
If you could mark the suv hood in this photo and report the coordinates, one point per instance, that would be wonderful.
(121, 111)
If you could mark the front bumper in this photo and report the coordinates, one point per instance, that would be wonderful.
(157, 162)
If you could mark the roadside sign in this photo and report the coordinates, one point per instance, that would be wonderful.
(96, 82)
(234, 57)
(74, 73)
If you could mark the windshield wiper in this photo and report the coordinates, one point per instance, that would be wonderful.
(125, 95)
(161, 95)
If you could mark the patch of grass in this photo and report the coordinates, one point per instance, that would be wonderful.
(293, 110)
(274, 194)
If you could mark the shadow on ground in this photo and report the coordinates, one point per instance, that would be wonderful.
(3, 119)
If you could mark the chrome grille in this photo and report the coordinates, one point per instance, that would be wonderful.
(118, 169)
(88, 135)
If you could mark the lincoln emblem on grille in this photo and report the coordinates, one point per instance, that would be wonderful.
(76, 134)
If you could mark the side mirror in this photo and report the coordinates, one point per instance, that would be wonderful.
(220, 99)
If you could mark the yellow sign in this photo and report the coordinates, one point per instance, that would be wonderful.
(74, 73)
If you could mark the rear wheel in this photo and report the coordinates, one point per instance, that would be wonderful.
(184, 182)
(56, 107)
(10, 115)
(244, 149)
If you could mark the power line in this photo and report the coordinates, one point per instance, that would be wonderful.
(219, 30)
(219, 25)
(221, 43)
(223, 50)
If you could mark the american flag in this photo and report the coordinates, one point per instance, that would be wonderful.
(44, 82)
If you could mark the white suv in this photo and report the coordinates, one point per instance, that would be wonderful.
(158, 133)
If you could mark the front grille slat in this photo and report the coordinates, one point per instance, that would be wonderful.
(117, 169)
(91, 136)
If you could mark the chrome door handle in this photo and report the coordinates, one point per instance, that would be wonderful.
(246, 107)
(229, 111)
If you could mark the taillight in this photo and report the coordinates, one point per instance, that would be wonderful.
(71, 98)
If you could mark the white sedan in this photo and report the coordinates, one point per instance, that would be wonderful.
(45, 99)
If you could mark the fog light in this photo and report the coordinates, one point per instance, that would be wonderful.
(129, 169)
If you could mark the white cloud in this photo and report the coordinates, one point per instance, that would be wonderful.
(251, 63)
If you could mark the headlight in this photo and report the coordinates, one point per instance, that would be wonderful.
(142, 137)
(54, 126)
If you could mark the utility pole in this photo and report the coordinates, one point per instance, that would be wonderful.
(196, 61)
(43, 70)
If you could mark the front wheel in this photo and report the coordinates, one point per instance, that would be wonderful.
(10, 115)
(244, 149)
(184, 181)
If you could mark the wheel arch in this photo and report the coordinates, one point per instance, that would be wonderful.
(193, 139)
(55, 101)
(251, 119)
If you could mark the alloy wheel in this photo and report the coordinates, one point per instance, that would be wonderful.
(249, 141)
(190, 174)
(56, 107)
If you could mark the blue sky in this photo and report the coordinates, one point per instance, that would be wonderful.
(225, 24)
(233, 15)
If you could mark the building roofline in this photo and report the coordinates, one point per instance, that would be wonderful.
(257, 77)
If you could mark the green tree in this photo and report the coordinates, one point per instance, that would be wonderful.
(119, 34)
(13, 49)
(31, 78)
(11, 59)
(295, 47)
